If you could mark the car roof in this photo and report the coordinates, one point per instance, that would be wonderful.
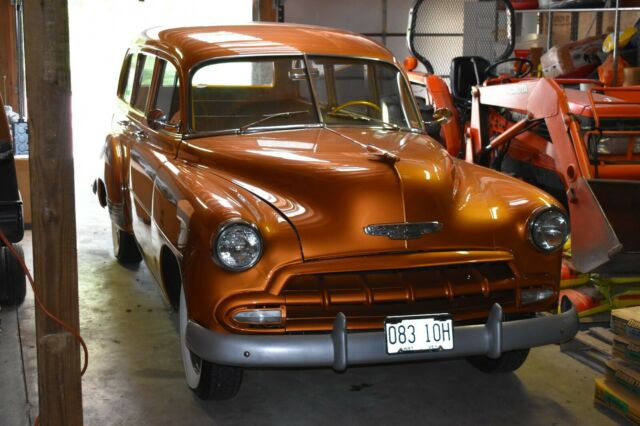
(192, 45)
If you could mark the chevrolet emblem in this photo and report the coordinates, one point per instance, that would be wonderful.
(403, 231)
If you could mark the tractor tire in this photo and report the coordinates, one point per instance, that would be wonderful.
(13, 281)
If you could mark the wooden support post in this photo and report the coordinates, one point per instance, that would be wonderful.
(52, 195)
(265, 10)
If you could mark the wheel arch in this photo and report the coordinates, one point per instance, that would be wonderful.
(171, 276)
(116, 182)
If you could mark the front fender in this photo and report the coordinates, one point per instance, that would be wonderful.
(203, 201)
(510, 203)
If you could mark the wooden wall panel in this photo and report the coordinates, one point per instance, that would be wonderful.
(8, 54)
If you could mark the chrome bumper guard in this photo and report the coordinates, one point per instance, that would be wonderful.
(339, 348)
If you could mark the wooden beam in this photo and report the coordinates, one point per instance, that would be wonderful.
(265, 10)
(8, 54)
(52, 195)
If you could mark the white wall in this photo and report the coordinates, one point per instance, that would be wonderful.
(362, 16)
(100, 32)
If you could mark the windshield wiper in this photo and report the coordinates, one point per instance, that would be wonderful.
(360, 116)
(244, 128)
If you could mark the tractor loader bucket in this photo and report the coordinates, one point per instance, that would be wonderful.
(605, 226)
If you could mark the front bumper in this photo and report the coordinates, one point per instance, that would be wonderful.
(340, 349)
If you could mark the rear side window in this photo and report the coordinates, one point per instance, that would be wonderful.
(144, 82)
(127, 90)
(168, 96)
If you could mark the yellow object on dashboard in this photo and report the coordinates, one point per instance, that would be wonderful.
(625, 38)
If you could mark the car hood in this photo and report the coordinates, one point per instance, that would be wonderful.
(332, 183)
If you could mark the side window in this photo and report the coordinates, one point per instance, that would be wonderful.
(127, 90)
(144, 83)
(168, 96)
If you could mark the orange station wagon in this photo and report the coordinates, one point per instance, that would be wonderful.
(280, 185)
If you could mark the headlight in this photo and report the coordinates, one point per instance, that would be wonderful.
(548, 229)
(237, 246)
(615, 145)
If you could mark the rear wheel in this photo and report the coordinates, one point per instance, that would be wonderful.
(13, 282)
(207, 380)
(125, 248)
(508, 362)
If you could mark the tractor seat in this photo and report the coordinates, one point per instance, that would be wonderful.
(466, 72)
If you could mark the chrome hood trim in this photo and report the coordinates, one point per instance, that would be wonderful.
(403, 231)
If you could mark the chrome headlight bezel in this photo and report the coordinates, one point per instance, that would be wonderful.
(226, 227)
(531, 225)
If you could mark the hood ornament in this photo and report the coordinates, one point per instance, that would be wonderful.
(383, 155)
(403, 231)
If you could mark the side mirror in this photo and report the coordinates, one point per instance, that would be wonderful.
(156, 119)
(297, 74)
(442, 115)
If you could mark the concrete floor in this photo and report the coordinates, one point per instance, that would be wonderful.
(135, 372)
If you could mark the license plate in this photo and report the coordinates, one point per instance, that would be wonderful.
(419, 333)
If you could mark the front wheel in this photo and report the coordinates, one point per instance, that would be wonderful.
(125, 248)
(207, 380)
(506, 363)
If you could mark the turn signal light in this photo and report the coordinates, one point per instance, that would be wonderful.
(533, 295)
(410, 63)
(258, 316)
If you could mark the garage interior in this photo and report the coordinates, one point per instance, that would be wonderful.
(134, 373)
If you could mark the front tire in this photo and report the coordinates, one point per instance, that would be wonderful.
(125, 248)
(507, 363)
(207, 380)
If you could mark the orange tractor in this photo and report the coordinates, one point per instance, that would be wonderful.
(582, 146)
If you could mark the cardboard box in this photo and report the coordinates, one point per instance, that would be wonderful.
(623, 373)
(614, 396)
(626, 322)
(626, 349)
(24, 185)
(572, 57)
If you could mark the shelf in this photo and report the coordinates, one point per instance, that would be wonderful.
(590, 9)
(616, 30)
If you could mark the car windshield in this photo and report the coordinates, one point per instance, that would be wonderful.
(362, 92)
(255, 93)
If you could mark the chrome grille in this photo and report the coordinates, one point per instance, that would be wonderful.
(367, 297)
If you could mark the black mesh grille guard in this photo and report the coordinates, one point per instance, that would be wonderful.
(423, 33)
